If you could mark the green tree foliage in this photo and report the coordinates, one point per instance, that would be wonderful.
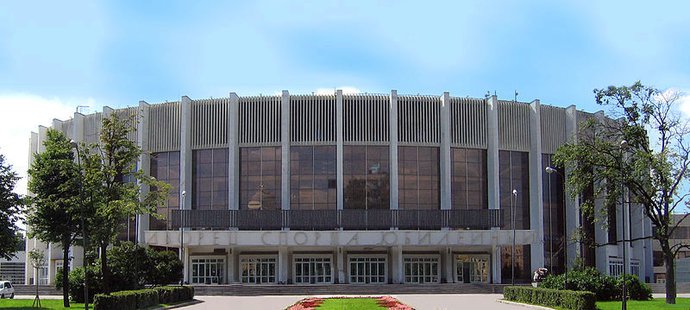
(648, 169)
(55, 208)
(113, 184)
(10, 203)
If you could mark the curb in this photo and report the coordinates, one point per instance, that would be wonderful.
(184, 304)
(521, 304)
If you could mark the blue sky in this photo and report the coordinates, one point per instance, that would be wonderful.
(55, 55)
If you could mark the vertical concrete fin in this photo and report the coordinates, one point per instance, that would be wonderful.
(393, 123)
(233, 153)
(285, 149)
(536, 172)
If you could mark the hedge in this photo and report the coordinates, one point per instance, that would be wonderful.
(138, 299)
(576, 300)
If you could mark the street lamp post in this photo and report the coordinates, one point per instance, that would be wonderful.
(512, 219)
(184, 193)
(623, 145)
(551, 170)
(83, 227)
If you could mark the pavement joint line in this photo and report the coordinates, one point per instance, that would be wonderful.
(523, 304)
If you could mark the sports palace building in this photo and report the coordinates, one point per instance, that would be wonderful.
(362, 189)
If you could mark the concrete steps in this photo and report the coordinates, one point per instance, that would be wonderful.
(345, 289)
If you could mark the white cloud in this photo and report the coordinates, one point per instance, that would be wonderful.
(330, 91)
(23, 113)
(684, 103)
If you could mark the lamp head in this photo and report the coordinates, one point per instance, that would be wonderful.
(515, 192)
(550, 170)
(184, 193)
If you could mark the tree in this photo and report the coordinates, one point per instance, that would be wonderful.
(54, 211)
(650, 166)
(10, 204)
(113, 184)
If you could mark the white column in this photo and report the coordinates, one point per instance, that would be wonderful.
(30, 243)
(107, 111)
(393, 131)
(283, 265)
(285, 150)
(339, 148)
(234, 266)
(144, 165)
(233, 152)
(572, 207)
(397, 264)
(186, 165)
(340, 262)
(445, 164)
(57, 125)
(449, 262)
(536, 186)
(492, 178)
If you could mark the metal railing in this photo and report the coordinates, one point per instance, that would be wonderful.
(336, 219)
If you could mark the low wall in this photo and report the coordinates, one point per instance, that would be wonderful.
(681, 287)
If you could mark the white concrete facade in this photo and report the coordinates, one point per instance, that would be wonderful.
(482, 124)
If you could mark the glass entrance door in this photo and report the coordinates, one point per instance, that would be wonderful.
(368, 269)
(472, 268)
(312, 270)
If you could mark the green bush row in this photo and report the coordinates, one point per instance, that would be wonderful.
(139, 299)
(551, 298)
(605, 287)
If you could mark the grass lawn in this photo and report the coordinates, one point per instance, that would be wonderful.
(656, 303)
(350, 304)
(45, 304)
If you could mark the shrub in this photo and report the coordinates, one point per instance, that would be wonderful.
(139, 299)
(605, 287)
(586, 279)
(126, 300)
(551, 298)
(635, 288)
(172, 294)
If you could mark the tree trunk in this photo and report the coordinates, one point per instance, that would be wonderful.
(65, 272)
(104, 268)
(669, 262)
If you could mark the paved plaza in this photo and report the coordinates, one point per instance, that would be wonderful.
(419, 302)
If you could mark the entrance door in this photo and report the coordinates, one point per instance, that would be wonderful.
(472, 268)
(368, 269)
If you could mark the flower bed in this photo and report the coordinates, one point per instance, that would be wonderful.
(382, 302)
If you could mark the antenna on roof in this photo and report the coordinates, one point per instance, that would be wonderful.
(79, 108)
(488, 94)
(515, 98)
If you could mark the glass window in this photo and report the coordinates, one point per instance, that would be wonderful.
(260, 177)
(514, 175)
(165, 166)
(366, 177)
(210, 179)
(554, 228)
(418, 172)
(468, 179)
(312, 177)
(523, 273)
